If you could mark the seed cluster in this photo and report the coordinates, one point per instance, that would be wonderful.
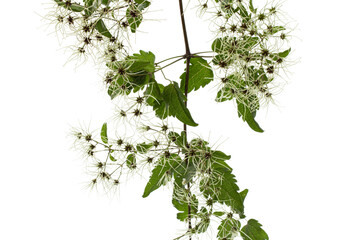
(100, 27)
(251, 49)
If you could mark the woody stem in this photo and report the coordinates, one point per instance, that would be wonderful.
(187, 56)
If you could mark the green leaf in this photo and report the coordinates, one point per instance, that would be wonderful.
(138, 81)
(200, 74)
(161, 110)
(253, 231)
(185, 172)
(203, 225)
(162, 173)
(131, 161)
(142, 4)
(156, 100)
(228, 229)
(222, 60)
(217, 45)
(141, 68)
(230, 45)
(221, 187)
(248, 116)
(256, 75)
(181, 204)
(91, 6)
(243, 13)
(221, 45)
(181, 199)
(227, 6)
(273, 30)
(102, 29)
(179, 140)
(284, 53)
(243, 195)
(234, 84)
(116, 65)
(139, 72)
(154, 93)
(276, 56)
(104, 136)
(218, 214)
(143, 147)
(118, 87)
(112, 158)
(219, 156)
(145, 61)
(105, 2)
(251, 7)
(134, 17)
(199, 143)
(249, 42)
(174, 99)
(224, 94)
(75, 7)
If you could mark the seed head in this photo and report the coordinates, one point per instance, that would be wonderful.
(88, 137)
(164, 128)
(137, 112)
(128, 147)
(119, 142)
(139, 100)
(261, 16)
(156, 143)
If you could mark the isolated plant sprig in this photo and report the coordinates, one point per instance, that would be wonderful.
(248, 52)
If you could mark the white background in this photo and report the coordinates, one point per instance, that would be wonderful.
(302, 173)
